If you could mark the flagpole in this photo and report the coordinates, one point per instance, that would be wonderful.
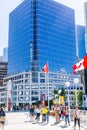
(45, 69)
(48, 91)
(48, 87)
(47, 82)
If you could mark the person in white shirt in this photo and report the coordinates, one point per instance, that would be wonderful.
(38, 112)
(76, 115)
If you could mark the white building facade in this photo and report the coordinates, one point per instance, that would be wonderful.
(24, 91)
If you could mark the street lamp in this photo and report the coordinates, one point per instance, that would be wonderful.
(59, 91)
(76, 81)
(67, 85)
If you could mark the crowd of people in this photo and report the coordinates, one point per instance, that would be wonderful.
(61, 112)
(35, 112)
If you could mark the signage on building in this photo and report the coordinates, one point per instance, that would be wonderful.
(61, 99)
(42, 99)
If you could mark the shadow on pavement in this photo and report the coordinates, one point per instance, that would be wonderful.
(53, 124)
(44, 124)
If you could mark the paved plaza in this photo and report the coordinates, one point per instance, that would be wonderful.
(20, 121)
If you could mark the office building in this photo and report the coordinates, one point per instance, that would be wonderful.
(81, 50)
(3, 71)
(24, 91)
(85, 9)
(41, 31)
(1, 58)
(5, 54)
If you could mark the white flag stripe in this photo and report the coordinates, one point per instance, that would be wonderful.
(79, 65)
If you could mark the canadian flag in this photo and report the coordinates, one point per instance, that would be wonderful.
(80, 65)
(45, 68)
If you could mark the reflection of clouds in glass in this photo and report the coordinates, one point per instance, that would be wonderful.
(27, 98)
(27, 93)
(79, 8)
(20, 98)
(5, 9)
(26, 87)
(20, 87)
(20, 93)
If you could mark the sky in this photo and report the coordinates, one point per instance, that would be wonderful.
(6, 6)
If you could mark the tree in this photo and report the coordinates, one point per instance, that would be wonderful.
(62, 93)
(55, 93)
(80, 98)
(74, 98)
(56, 96)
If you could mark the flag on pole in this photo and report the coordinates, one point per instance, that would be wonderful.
(45, 68)
(80, 65)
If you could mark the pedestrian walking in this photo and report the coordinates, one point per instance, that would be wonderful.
(76, 115)
(63, 113)
(31, 113)
(38, 112)
(2, 118)
(67, 120)
(44, 112)
(57, 110)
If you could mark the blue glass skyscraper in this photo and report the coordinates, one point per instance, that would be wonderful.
(80, 31)
(5, 54)
(41, 31)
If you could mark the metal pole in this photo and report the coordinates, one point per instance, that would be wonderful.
(68, 99)
(76, 96)
(48, 92)
(67, 85)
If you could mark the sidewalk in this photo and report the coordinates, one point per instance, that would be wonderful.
(21, 121)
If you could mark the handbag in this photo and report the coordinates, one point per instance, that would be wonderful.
(64, 113)
(2, 118)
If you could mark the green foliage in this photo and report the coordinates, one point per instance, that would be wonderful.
(63, 93)
(79, 98)
(74, 98)
(55, 91)
(38, 103)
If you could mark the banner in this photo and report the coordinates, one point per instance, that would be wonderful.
(61, 99)
(42, 99)
(9, 95)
